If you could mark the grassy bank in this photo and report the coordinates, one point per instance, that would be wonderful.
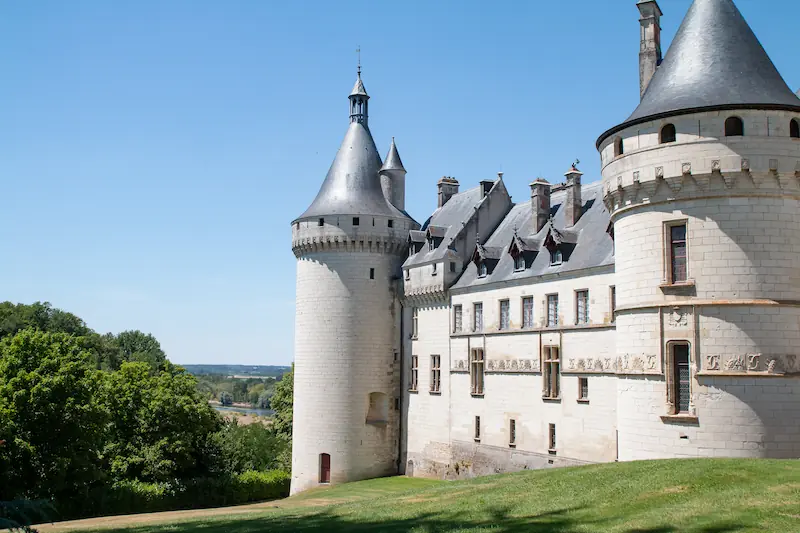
(697, 496)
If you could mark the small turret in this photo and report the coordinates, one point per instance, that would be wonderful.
(359, 100)
(393, 178)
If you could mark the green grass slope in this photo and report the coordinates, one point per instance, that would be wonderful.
(692, 496)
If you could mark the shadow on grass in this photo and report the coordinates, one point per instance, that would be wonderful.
(499, 522)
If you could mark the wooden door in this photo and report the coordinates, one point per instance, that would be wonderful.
(324, 468)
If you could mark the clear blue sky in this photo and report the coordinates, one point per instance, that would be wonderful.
(153, 153)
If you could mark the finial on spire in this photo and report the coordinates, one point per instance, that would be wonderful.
(358, 51)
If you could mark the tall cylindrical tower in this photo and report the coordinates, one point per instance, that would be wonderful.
(349, 244)
(703, 183)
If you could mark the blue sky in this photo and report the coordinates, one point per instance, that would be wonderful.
(153, 153)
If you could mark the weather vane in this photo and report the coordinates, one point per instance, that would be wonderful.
(358, 51)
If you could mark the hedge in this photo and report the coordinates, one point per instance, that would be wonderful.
(132, 497)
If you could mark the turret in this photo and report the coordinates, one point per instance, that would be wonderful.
(393, 178)
(349, 244)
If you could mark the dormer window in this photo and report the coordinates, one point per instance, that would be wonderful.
(556, 258)
(519, 263)
(482, 270)
(431, 246)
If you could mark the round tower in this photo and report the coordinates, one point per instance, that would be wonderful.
(349, 246)
(703, 183)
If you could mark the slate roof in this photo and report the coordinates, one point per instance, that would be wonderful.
(353, 184)
(714, 62)
(452, 215)
(393, 161)
(593, 246)
(358, 88)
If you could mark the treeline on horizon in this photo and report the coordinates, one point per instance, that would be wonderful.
(94, 424)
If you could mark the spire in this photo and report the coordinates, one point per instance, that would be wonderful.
(393, 161)
(359, 101)
(715, 62)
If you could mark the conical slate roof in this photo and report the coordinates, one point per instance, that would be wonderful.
(358, 88)
(393, 161)
(353, 186)
(715, 62)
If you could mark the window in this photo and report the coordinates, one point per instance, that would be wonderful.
(519, 263)
(476, 371)
(583, 389)
(582, 307)
(477, 429)
(613, 304)
(371, 273)
(356, 221)
(397, 404)
(794, 129)
(297, 225)
(321, 222)
(390, 223)
(433, 269)
(414, 322)
(458, 324)
(408, 274)
(452, 267)
(504, 314)
(680, 378)
(619, 147)
(412, 386)
(550, 374)
(436, 373)
(677, 253)
(430, 245)
(482, 270)
(556, 258)
(668, 134)
(552, 310)
(527, 312)
(477, 319)
(378, 408)
(324, 468)
(734, 127)
(512, 432)
(552, 440)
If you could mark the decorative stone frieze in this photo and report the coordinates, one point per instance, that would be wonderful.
(751, 364)
(499, 366)
(341, 243)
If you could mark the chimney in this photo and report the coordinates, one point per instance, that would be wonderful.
(574, 207)
(540, 202)
(650, 46)
(447, 188)
(486, 186)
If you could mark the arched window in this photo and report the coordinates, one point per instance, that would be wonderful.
(734, 127)
(378, 408)
(794, 129)
(619, 147)
(668, 134)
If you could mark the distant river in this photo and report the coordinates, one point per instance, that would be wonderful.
(245, 410)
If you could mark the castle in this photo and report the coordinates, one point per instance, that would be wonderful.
(654, 314)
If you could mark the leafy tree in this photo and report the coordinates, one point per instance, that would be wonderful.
(225, 398)
(247, 447)
(39, 316)
(282, 403)
(263, 401)
(159, 423)
(51, 421)
(141, 347)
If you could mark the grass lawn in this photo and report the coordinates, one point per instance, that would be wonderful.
(691, 496)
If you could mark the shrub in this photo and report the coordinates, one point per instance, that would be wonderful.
(131, 497)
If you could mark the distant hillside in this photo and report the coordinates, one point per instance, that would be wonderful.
(245, 371)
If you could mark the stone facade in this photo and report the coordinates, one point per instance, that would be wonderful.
(655, 314)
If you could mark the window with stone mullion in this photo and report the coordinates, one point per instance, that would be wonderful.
(527, 312)
(504, 314)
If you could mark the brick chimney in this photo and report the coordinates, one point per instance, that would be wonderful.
(650, 46)
(447, 188)
(540, 202)
(574, 205)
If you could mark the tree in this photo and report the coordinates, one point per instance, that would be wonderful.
(142, 347)
(226, 398)
(160, 423)
(39, 316)
(263, 401)
(51, 420)
(248, 447)
(282, 403)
